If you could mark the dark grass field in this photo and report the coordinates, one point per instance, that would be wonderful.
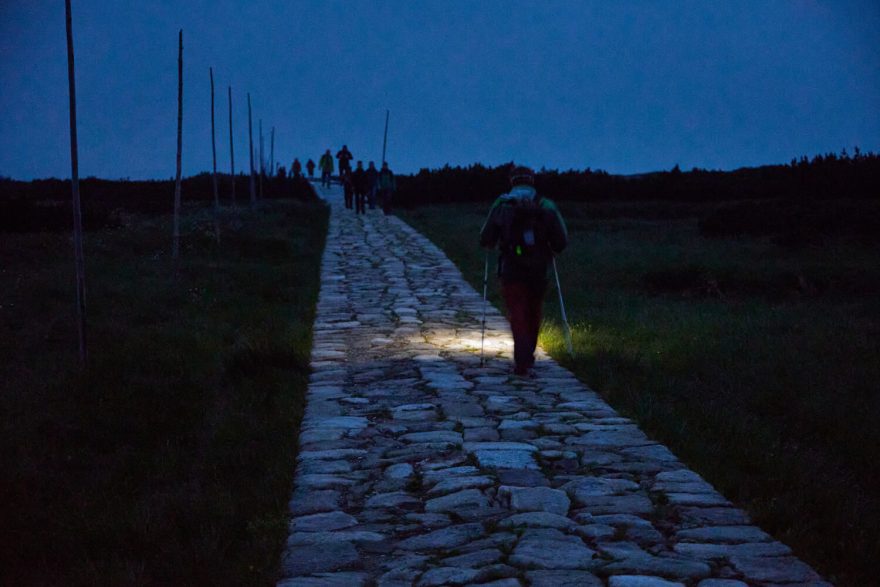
(757, 363)
(169, 460)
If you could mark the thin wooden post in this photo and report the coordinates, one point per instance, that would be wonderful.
(231, 148)
(385, 140)
(262, 161)
(214, 156)
(175, 249)
(251, 142)
(78, 254)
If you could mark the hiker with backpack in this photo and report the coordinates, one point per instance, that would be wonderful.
(325, 164)
(359, 182)
(296, 169)
(372, 177)
(310, 167)
(387, 185)
(345, 157)
(529, 231)
(347, 189)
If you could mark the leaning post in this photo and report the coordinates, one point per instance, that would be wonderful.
(78, 254)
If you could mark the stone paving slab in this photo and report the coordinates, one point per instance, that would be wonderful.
(419, 466)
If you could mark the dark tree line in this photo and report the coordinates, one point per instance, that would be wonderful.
(43, 205)
(830, 176)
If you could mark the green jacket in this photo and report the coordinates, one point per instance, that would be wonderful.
(550, 233)
(386, 180)
(325, 163)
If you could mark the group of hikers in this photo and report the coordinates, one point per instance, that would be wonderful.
(362, 187)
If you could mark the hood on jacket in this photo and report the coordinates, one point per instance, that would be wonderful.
(521, 192)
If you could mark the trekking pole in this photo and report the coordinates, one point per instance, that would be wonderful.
(566, 329)
(483, 321)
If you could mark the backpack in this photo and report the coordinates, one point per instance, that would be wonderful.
(524, 238)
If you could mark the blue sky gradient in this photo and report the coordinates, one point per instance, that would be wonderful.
(625, 86)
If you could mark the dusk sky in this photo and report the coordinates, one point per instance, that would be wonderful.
(623, 86)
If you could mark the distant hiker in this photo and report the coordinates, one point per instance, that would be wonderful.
(325, 164)
(310, 167)
(528, 230)
(347, 188)
(359, 182)
(372, 175)
(387, 185)
(296, 169)
(345, 157)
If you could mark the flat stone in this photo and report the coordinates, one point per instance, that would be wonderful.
(563, 579)
(474, 559)
(419, 412)
(725, 516)
(506, 459)
(459, 483)
(454, 502)
(729, 534)
(616, 504)
(641, 581)
(773, 570)
(339, 453)
(323, 522)
(721, 583)
(437, 475)
(344, 422)
(586, 487)
(306, 560)
(661, 566)
(752, 549)
(537, 520)
(447, 576)
(506, 446)
(699, 499)
(399, 471)
(566, 552)
(537, 499)
(400, 577)
(444, 539)
(434, 436)
(392, 500)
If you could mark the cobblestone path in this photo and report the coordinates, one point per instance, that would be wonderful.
(417, 466)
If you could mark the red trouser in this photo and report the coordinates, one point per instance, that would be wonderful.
(524, 304)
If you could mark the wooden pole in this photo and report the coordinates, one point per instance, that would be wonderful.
(385, 140)
(214, 156)
(79, 256)
(262, 161)
(231, 149)
(251, 142)
(272, 154)
(175, 249)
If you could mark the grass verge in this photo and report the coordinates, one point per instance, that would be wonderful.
(170, 458)
(757, 364)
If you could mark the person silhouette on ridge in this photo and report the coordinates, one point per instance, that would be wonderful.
(325, 163)
(359, 182)
(345, 157)
(310, 167)
(372, 175)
